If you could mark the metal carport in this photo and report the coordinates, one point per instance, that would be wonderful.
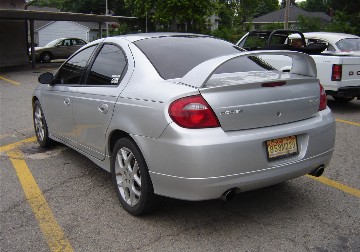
(30, 15)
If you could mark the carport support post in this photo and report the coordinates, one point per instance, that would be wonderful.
(100, 31)
(32, 43)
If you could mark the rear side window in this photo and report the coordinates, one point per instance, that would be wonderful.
(348, 45)
(78, 42)
(109, 66)
(72, 70)
(173, 57)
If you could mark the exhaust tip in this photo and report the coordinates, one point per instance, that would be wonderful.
(318, 171)
(228, 195)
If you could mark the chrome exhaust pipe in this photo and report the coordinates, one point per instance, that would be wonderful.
(318, 171)
(228, 195)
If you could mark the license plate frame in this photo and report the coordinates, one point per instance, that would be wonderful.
(281, 148)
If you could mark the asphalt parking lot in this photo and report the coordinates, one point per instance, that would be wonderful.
(57, 200)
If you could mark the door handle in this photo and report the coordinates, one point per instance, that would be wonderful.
(103, 108)
(67, 101)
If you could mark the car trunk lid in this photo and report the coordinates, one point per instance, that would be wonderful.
(259, 99)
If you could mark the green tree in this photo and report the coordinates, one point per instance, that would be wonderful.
(116, 7)
(140, 8)
(224, 10)
(193, 14)
(347, 16)
(283, 3)
(346, 6)
(341, 23)
(316, 5)
(47, 3)
(234, 14)
(307, 24)
(244, 10)
(265, 6)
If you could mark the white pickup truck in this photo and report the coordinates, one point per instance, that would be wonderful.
(337, 57)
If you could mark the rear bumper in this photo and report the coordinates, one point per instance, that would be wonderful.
(214, 187)
(346, 92)
(203, 164)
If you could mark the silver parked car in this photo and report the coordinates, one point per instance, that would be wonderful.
(186, 116)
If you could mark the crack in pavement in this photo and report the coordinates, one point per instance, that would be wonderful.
(14, 130)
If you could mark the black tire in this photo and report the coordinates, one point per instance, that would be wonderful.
(40, 126)
(342, 99)
(131, 178)
(46, 57)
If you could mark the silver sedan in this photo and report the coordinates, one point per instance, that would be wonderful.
(186, 116)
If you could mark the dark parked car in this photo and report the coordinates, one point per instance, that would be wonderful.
(60, 48)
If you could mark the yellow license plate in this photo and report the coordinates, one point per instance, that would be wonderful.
(282, 147)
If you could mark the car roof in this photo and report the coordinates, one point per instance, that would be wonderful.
(139, 36)
(332, 37)
(71, 38)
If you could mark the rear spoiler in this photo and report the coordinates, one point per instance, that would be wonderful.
(199, 75)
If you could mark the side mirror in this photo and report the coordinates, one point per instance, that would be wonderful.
(46, 78)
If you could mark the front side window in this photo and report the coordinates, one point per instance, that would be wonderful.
(65, 42)
(71, 71)
(109, 66)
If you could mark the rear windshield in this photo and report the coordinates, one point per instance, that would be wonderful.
(348, 45)
(173, 57)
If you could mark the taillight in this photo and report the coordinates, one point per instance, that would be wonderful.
(193, 112)
(323, 101)
(336, 72)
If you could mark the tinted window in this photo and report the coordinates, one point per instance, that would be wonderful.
(71, 71)
(108, 66)
(173, 57)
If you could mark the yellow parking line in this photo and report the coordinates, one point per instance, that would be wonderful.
(348, 122)
(10, 81)
(12, 146)
(337, 185)
(51, 230)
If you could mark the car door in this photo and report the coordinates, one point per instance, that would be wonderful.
(94, 102)
(58, 97)
(63, 50)
(58, 50)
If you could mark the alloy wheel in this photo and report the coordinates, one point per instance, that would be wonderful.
(128, 177)
(39, 124)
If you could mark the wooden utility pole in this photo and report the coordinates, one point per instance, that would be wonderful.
(287, 10)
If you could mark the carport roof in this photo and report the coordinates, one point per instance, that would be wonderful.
(57, 16)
